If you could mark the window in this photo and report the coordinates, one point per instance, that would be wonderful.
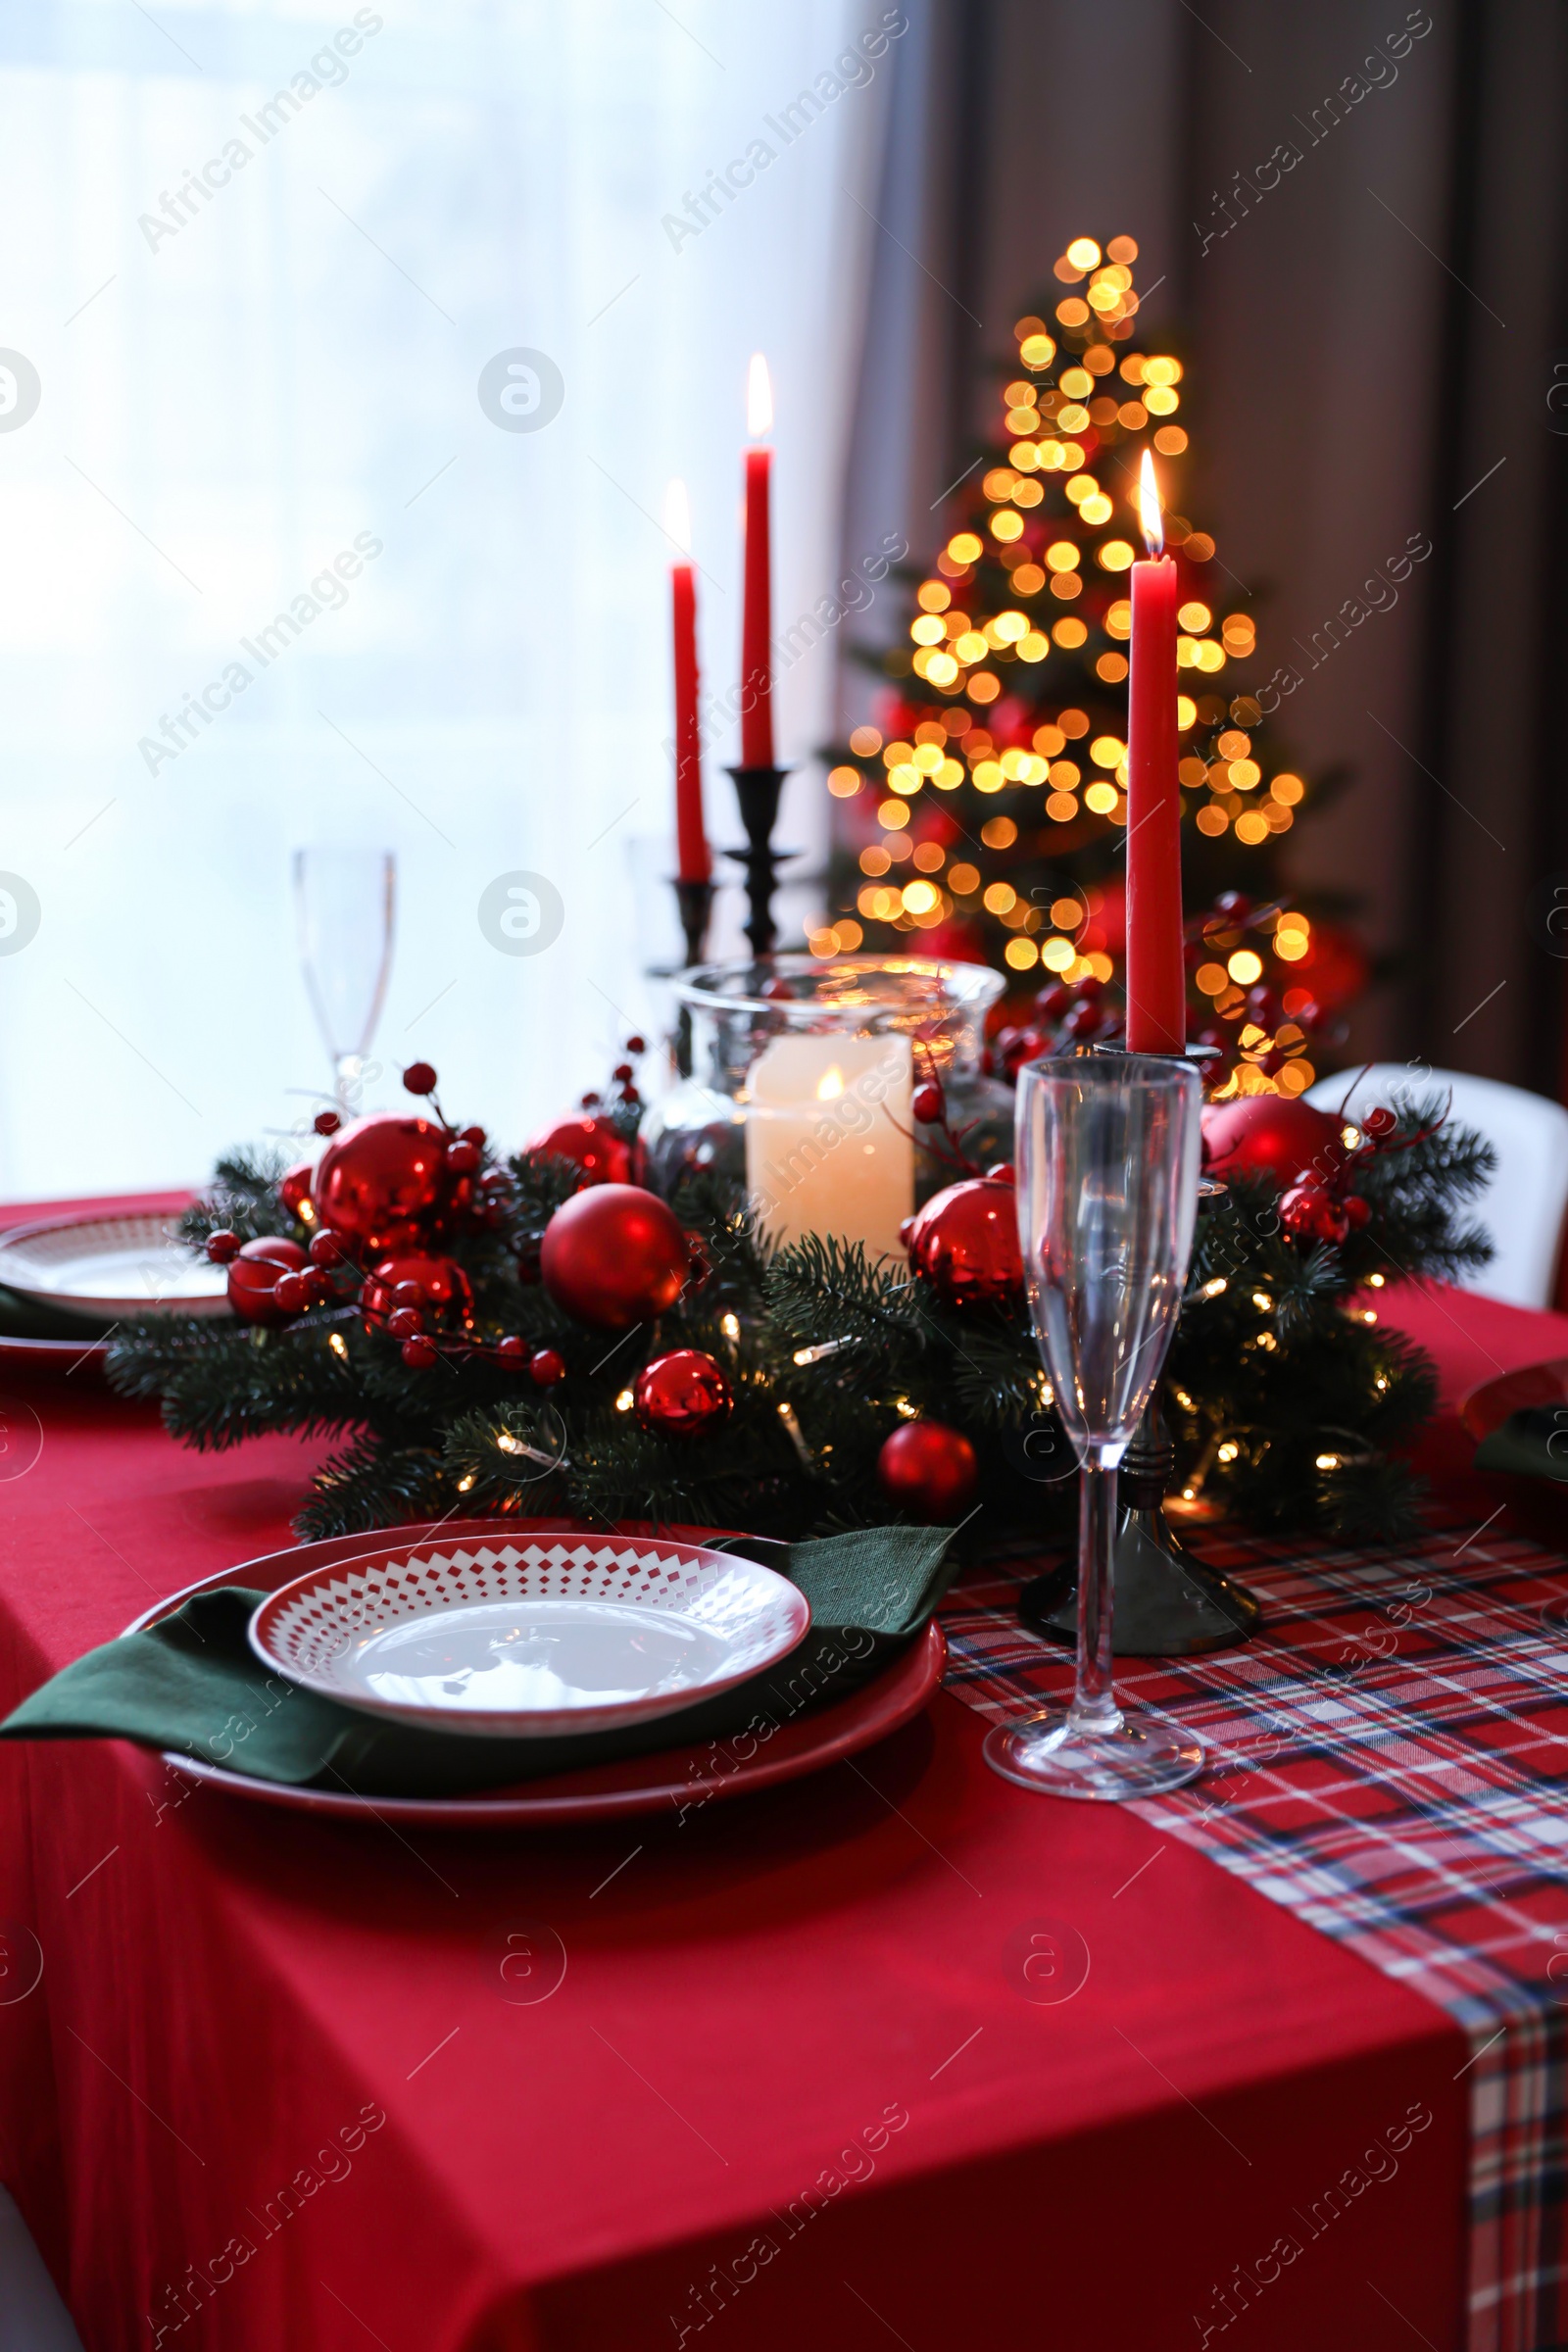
(275, 574)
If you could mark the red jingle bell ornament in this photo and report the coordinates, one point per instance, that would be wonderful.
(384, 1182)
(613, 1256)
(925, 1466)
(680, 1395)
(965, 1243)
(445, 1293)
(1272, 1135)
(294, 1186)
(592, 1145)
(253, 1277)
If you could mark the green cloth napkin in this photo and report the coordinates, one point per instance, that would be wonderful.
(36, 1319)
(193, 1684)
(1533, 1442)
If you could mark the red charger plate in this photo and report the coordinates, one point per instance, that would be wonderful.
(1495, 1402)
(673, 1777)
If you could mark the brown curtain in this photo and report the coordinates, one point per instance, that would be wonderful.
(1355, 220)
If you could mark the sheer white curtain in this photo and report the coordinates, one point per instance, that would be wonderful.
(258, 257)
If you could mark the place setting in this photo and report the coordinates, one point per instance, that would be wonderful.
(485, 1675)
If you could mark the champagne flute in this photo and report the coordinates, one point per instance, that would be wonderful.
(344, 904)
(1108, 1171)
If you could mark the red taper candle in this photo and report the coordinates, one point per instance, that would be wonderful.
(757, 624)
(692, 858)
(1156, 979)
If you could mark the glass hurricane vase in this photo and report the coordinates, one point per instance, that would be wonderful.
(804, 1074)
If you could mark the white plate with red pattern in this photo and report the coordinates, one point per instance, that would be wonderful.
(530, 1638)
(110, 1267)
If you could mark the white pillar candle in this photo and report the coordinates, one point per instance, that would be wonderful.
(829, 1139)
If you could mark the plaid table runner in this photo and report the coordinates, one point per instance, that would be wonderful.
(1389, 1761)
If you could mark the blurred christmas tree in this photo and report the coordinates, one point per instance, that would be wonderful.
(984, 813)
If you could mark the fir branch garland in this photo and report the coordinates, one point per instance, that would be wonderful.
(1289, 1402)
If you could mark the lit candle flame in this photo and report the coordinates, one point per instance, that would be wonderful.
(1148, 507)
(678, 516)
(830, 1085)
(758, 399)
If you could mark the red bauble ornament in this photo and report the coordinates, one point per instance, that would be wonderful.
(253, 1278)
(1309, 1213)
(965, 1243)
(925, 1466)
(681, 1393)
(591, 1145)
(437, 1286)
(1272, 1135)
(547, 1367)
(294, 1186)
(383, 1181)
(613, 1256)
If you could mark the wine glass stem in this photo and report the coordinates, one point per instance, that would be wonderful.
(1094, 1709)
(346, 1073)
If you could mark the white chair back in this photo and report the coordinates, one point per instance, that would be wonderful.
(33, 2317)
(1522, 1207)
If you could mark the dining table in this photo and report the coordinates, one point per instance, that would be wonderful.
(897, 2054)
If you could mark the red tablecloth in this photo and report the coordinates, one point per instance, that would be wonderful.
(268, 2089)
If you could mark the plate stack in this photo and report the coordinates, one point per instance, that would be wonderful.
(492, 1629)
(66, 1282)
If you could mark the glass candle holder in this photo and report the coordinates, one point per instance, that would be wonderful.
(802, 1090)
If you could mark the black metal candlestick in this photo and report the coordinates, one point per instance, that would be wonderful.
(694, 901)
(1167, 1604)
(757, 789)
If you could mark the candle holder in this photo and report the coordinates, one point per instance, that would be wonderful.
(1167, 1604)
(757, 789)
(695, 902)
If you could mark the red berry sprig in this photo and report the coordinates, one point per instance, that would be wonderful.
(622, 1079)
(929, 1106)
(1330, 1208)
